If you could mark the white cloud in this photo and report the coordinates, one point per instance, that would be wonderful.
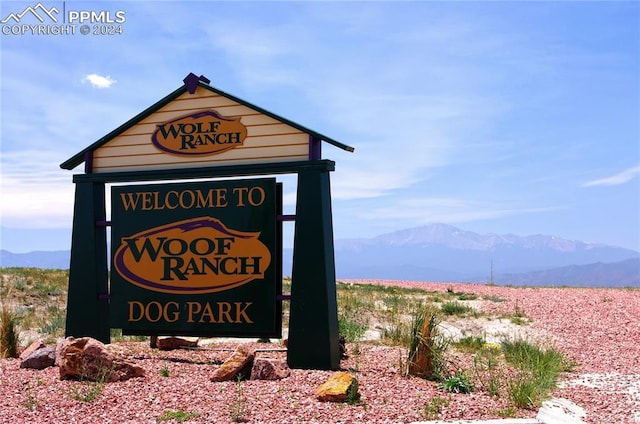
(617, 179)
(371, 182)
(40, 198)
(446, 210)
(98, 81)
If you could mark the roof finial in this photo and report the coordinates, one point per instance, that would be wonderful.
(191, 81)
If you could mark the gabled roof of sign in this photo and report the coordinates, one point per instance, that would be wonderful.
(191, 82)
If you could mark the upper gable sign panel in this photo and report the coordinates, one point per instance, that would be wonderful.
(201, 129)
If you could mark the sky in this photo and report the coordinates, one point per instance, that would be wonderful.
(495, 117)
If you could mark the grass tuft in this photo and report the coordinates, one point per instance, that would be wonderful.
(538, 371)
(179, 416)
(353, 393)
(9, 337)
(164, 371)
(238, 409)
(434, 407)
(426, 352)
(88, 391)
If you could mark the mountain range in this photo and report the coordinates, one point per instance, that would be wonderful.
(440, 252)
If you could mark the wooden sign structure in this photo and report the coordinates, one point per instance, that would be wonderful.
(204, 258)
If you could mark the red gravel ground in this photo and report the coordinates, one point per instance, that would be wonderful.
(598, 328)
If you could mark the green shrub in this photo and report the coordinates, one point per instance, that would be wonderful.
(455, 308)
(493, 298)
(467, 296)
(458, 383)
(351, 330)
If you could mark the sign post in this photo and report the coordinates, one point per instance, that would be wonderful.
(204, 258)
(313, 325)
(87, 301)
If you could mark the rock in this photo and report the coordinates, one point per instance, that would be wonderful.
(269, 369)
(171, 342)
(89, 359)
(124, 370)
(559, 410)
(336, 388)
(38, 344)
(240, 362)
(39, 359)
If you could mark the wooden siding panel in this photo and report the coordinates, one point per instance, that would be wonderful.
(163, 161)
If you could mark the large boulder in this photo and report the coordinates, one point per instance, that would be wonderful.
(238, 364)
(269, 369)
(89, 359)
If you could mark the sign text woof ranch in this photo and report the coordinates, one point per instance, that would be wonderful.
(201, 133)
(193, 256)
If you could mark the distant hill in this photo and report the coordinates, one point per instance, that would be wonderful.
(618, 274)
(54, 260)
(442, 252)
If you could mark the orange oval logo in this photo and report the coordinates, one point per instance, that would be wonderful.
(195, 256)
(201, 133)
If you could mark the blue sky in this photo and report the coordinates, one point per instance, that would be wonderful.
(503, 117)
